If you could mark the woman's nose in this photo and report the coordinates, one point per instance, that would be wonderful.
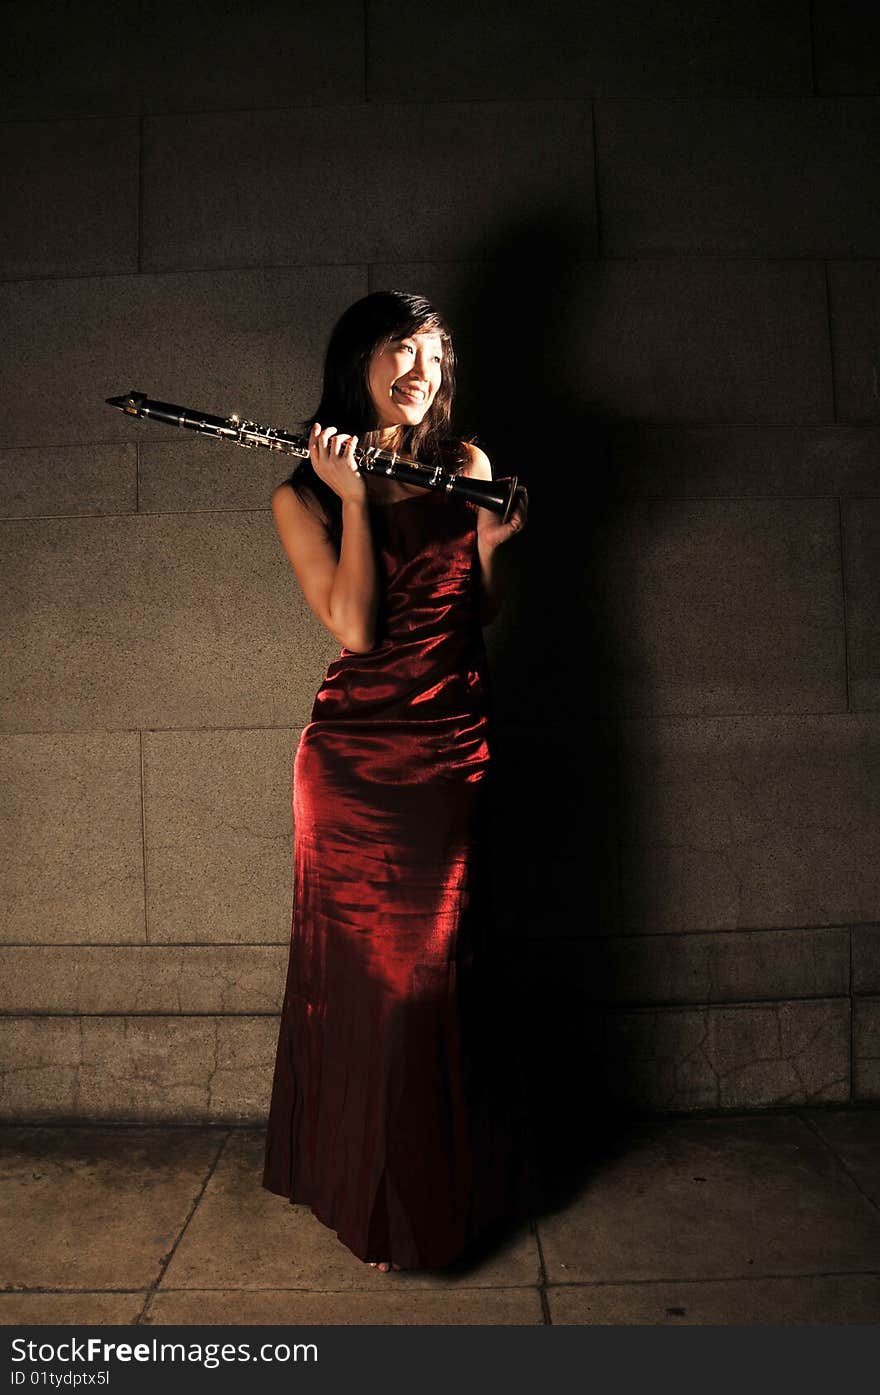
(423, 364)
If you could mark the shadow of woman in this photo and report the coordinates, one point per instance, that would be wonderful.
(554, 827)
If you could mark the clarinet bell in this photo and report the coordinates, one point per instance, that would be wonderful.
(511, 482)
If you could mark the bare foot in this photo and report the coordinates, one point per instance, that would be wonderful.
(382, 1264)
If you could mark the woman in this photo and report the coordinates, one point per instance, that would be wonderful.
(388, 1115)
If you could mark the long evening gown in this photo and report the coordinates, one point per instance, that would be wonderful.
(397, 1113)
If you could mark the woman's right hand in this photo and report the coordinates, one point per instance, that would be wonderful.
(332, 457)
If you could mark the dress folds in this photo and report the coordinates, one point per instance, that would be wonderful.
(396, 1110)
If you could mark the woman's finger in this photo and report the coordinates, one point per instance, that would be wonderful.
(520, 509)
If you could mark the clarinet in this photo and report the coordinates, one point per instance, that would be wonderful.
(496, 495)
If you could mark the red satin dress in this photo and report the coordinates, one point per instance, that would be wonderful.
(392, 1115)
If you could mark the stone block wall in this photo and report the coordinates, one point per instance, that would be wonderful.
(656, 231)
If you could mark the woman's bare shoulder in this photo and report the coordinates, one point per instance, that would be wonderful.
(305, 502)
(477, 463)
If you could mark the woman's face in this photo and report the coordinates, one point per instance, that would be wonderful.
(403, 377)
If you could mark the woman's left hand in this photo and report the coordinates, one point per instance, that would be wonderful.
(492, 532)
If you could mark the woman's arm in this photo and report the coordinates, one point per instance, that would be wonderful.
(490, 534)
(340, 590)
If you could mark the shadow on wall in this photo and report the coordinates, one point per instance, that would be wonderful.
(554, 821)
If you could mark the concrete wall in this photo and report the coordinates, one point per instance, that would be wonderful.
(656, 230)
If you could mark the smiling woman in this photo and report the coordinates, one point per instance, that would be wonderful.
(389, 381)
(395, 1113)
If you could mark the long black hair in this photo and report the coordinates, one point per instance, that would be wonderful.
(346, 403)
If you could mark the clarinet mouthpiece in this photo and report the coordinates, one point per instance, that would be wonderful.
(131, 403)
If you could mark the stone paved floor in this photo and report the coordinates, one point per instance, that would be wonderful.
(770, 1217)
